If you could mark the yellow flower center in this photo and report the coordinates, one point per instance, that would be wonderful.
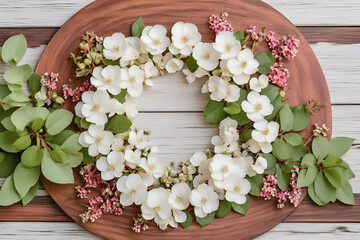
(132, 79)
(237, 188)
(204, 200)
(116, 48)
(108, 81)
(185, 39)
(133, 192)
(157, 209)
(156, 41)
(266, 131)
(244, 64)
(96, 107)
(98, 139)
(228, 47)
(152, 166)
(258, 107)
(112, 167)
(206, 56)
(179, 199)
(224, 169)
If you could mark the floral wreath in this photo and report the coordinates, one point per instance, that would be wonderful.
(258, 150)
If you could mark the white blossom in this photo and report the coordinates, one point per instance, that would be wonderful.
(260, 165)
(118, 143)
(114, 46)
(236, 188)
(132, 157)
(96, 105)
(244, 63)
(204, 199)
(111, 166)
(138, 139)
(218, 88)
(257, 106)
(221, 166)
(107, 78)
(191, 77)
(258, 84)
(180, 196)
(132, 79)
(133, 49)
(227, 45)
(161, 60)
(206, 56)
(157, 206)
(184, 37)
(174, 65)
(97, 140)
(198, 158)
(154, 39)
(265, 131)
(152, 165)
(133, 190)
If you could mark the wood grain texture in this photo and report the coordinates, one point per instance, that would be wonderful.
(160, 12)
(53, 13)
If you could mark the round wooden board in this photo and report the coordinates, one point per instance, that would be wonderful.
(108, 16)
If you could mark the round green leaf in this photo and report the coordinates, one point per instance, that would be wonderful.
(323, 189)
(241, 208)
(58, 155)
(307, 160)
(316, 199)
(277, 103)
(8, 125)
(8, 164)
(71, 144)
(37, 124)
(232, 108)
(23, 116)
(74, 159)
(8, 193)
(30, 195)
(256, 184)
(18, 75)
(345, 193)
(271, 92)
(25, 178)
(58, 120)
(32, 157)
(293, 138)
(34, 83)
(307, 176)
(283, 179)
(14, 49)
(320, 147)
(334, 175)
(301, 118)
(286, 118)
(188, 220)
(241, 118)
(23, 142)
(6, 141)
(340, 145)
(206, 220)
(192, 64)
(19, 96)
(271, 160)
(332, 161)
(282, 150)
(56, 172)
(214, 112)
(119, 124)
(224, 209)
(266, 60)
(137, 27)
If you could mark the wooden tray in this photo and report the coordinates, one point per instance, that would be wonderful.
(108, 16)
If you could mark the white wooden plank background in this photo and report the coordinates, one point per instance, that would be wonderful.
(179, 121)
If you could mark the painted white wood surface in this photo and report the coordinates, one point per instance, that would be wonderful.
(53, 13)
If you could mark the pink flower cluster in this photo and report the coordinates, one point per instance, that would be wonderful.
(290, 46)
(291, 194)
(77, 92)
(253, 34)
(220, 23)
(106, 202)
(50, 82)
(278, 75)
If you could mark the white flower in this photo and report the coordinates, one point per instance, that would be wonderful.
(191, 77)
(236, 188)
(219, 191)
(228, 130)
(265, 131)
(157, 206)
(154, 39)
(150, 71)
(204, 199)
(152, 165)
(220, 145)
(132, 157)
(111, 166)
(241, 79)
(118, 143)
(232, 93)
(161, 60)
(114, 46)
(198, 158)
(97, 140)
(218, 88)
(78, 108)
(107, 78)
(174, 65)
(179, 216)
(259, 84)
(255, 146)
(205, 54)
(184, 37)
(199, 179)
(96, 105)
(133, 49)
(180, 196)
(132, 79)
(260, 165)
(244, 63)
(227, 45)
(138, 139)
(221, 166)
(257, 106)
(245, 163)
(133, 190)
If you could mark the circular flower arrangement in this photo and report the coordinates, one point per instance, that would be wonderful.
(257, 151)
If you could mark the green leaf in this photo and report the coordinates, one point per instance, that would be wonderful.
(243, 96)
(25, 178)
(74, 159)
(340, 145)
(56, 172)
(14, 49)
(71, 144)
(308, 159)
(23, 142)
(271, 92)
(8, 164)
(286, 118)
(6, 141)
(191, 64)
(4, 91)
(137, 27)
(206, 220)
(232, 108)
(224, 209)
(119, 124)
(287, 166)
(345, 193)
(60, 138)
(8, 125)
(256, 184)
(23, 116)
(58, 120)
(58, 155)
(8, 193)
(277, 103)
(188, 220)
(266, 60)
(121, 96)
(271, 160)
(30, 195)
(313, 196)
(283, 179)
(239, 35)
(241, 118)
(299, 152)
(108, 62)
(37, 124)
(293, 138)
(32, 157)
(334, 175)
(246, 135)
(282, 150)
(307, 176)
(34, 83)
(332, 161)
(320, 147)
(301, 118)
(86, 157)
(18, 74)
(323, 189)
(348, 173)
(214, 112)
(241, 208)
(84, 124)
(19, 96)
